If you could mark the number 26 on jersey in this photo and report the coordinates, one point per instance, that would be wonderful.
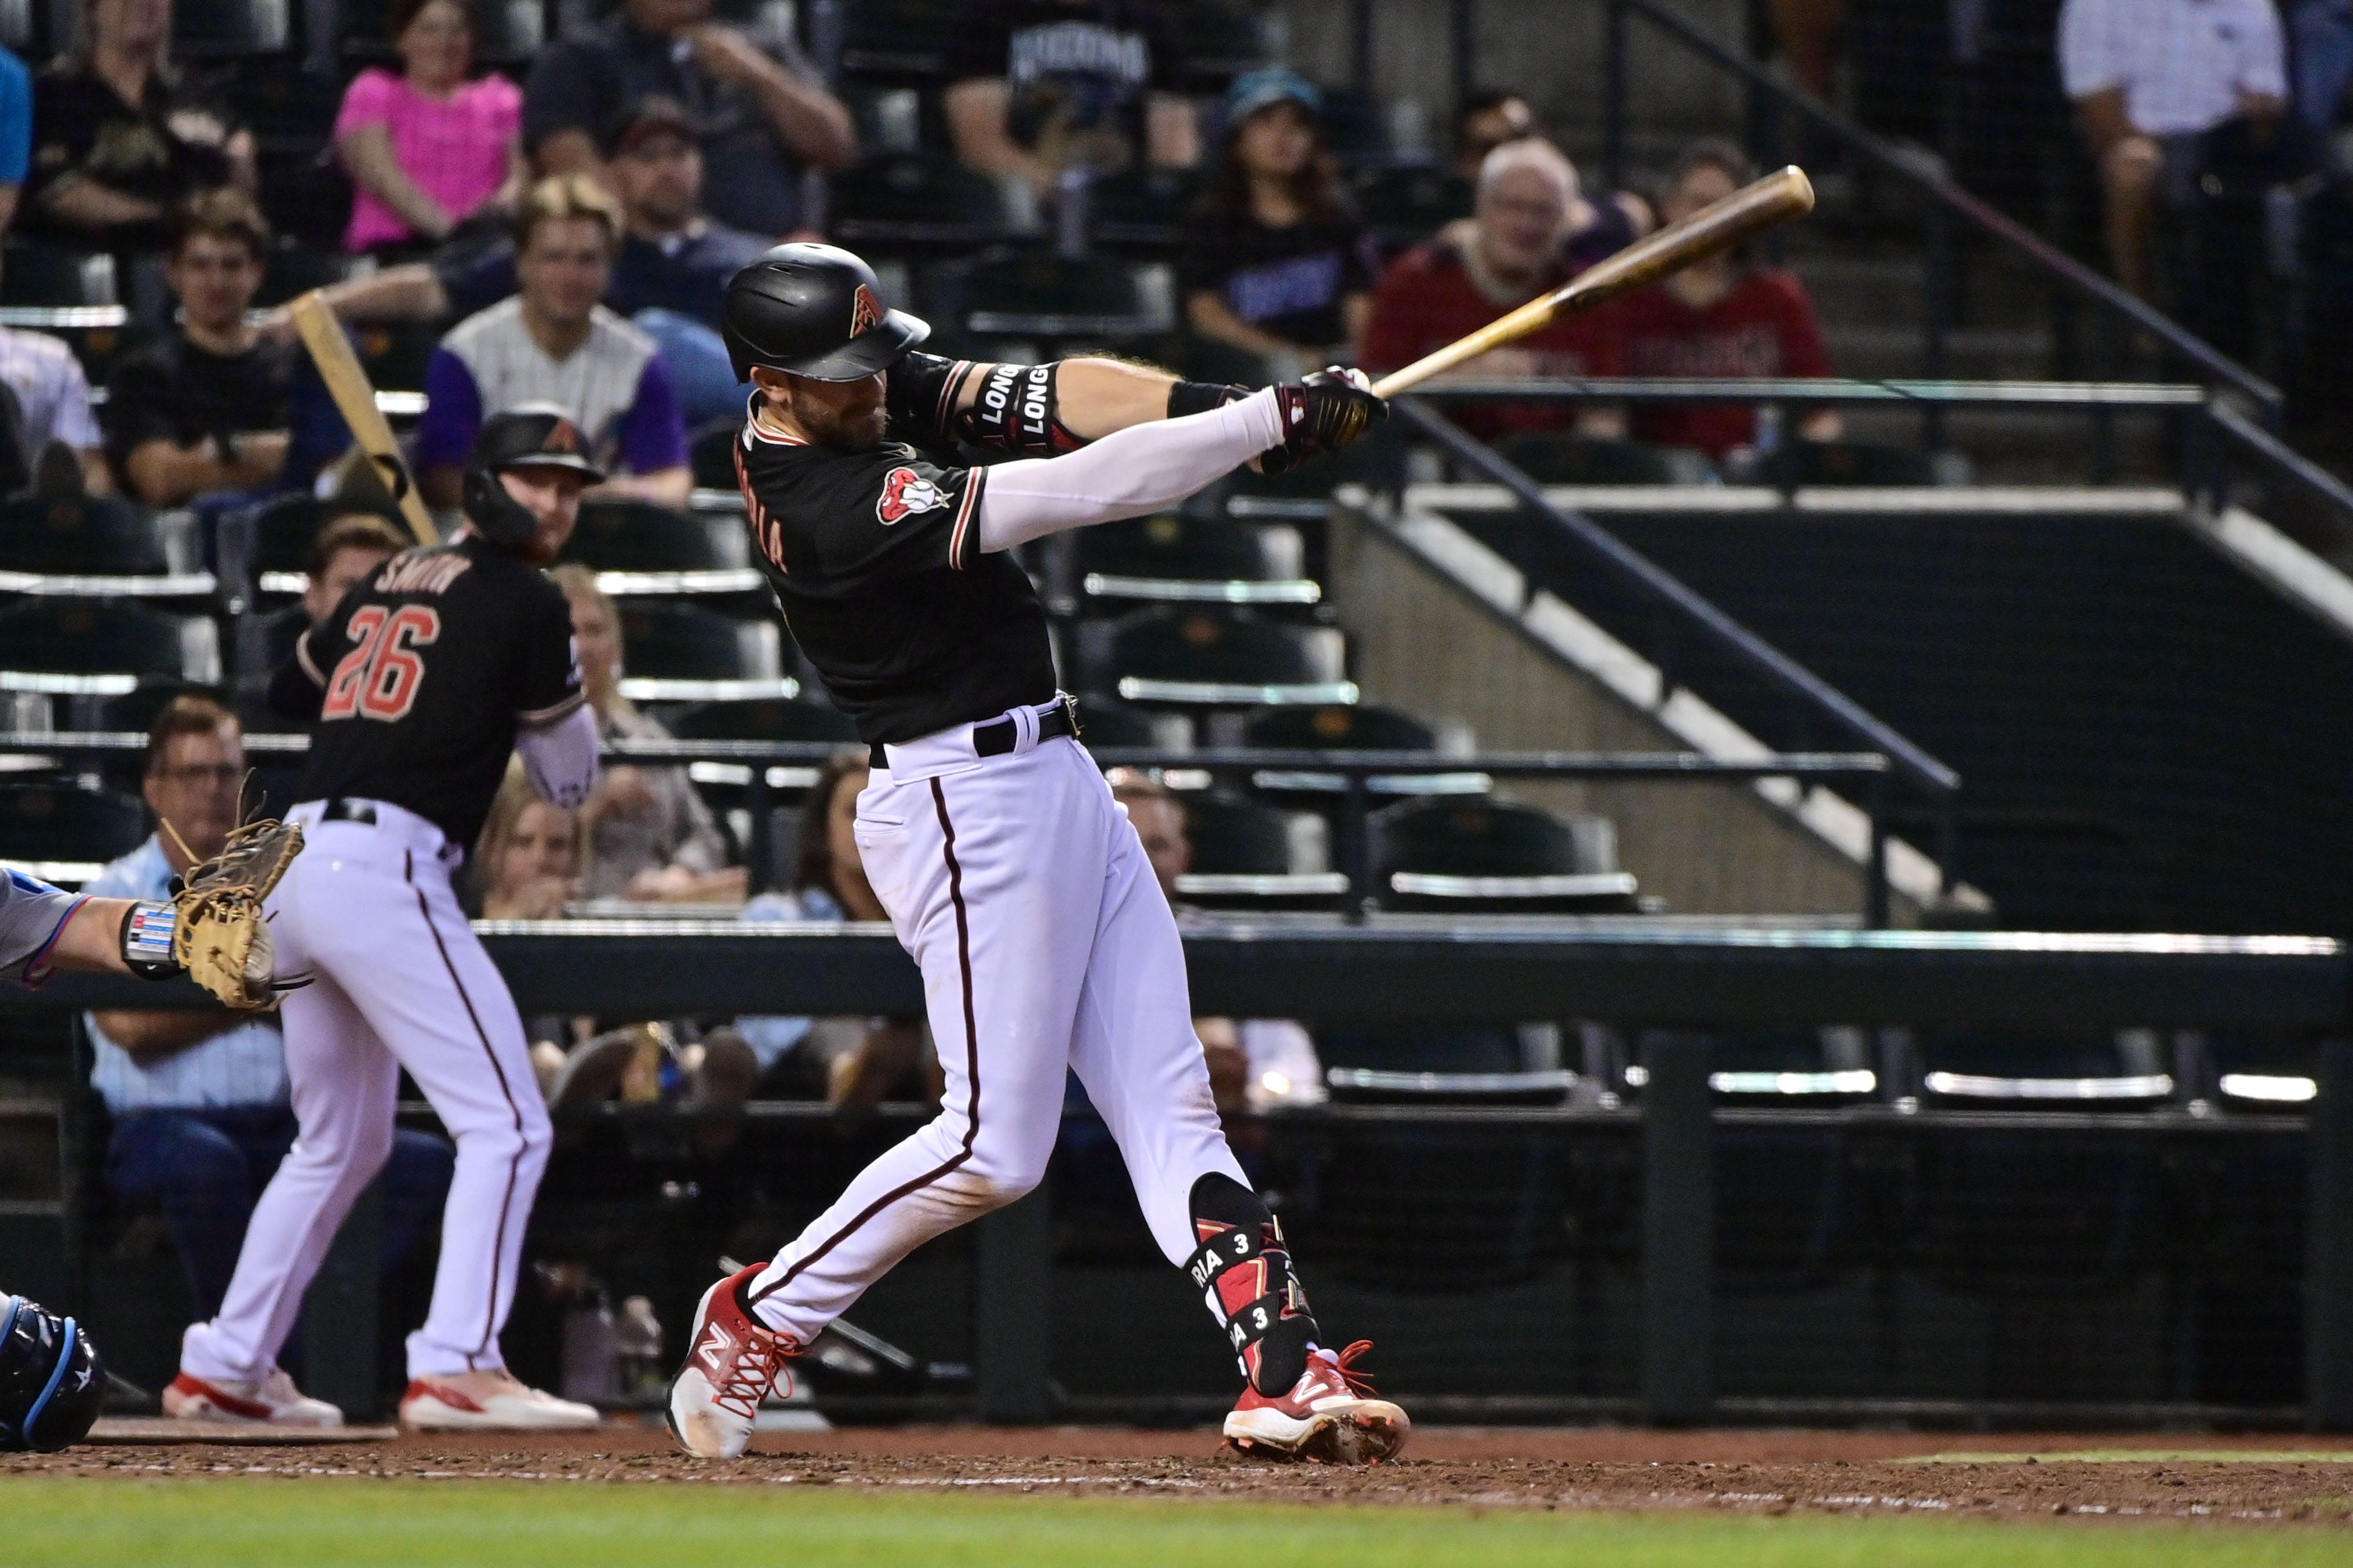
(378, 679)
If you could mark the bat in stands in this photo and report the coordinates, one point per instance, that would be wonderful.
(1718, 226)
(348, 384)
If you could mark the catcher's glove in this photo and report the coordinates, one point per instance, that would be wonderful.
(214, 925)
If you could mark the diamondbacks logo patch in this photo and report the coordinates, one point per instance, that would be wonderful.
(865, 311)
(905, 492)
(562, 437)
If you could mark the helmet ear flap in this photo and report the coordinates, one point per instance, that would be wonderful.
(496, 515)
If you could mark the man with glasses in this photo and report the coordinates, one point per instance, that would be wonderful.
(199, 1098)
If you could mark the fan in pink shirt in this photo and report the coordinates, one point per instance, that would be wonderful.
(427, 149)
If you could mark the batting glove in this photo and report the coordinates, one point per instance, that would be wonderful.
(1326, 411)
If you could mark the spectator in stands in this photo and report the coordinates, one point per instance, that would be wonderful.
(51, 441)
(2152, 80)
(668, 277)
(1041, 86)
(1717, 318)
(1508, 252)
(529, 858)
(553, 343)
(348, 548)
(210, 407)
(199, 1098)
(649, 835)
(1807, 32)
(428, 149)
(1278, 264)
(858, 1061)
(762, 109)
(15, 132)
(1254, 1063)
(1597, 226)
(121, 139)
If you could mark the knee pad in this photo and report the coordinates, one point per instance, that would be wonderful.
(1242, 1265)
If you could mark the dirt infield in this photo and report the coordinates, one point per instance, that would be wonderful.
(2282, 1477)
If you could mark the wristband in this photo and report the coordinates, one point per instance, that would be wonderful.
(146, 938)
(1200, 397)
(1016, 409)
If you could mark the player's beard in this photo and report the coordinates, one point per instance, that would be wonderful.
(844, 430)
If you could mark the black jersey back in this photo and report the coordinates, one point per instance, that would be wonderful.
(875, 559)
(421, 677)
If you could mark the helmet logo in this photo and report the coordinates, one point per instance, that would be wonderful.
(562, 437)
(905, 492)
(865, 311)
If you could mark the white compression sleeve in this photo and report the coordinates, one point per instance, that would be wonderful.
(561, 758)
(1128, 473)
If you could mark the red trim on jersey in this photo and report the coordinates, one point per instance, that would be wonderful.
(751, 427)
(34, 977)
(950, 389)
(963, 534)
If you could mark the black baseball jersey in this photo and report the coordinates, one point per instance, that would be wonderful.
(876, 562)
(421, 678)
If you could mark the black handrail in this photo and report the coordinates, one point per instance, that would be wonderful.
(1777, 668)
(1949, 196)
(1827, 390)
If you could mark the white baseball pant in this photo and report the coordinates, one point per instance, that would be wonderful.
(1045, 944)
(400, 981)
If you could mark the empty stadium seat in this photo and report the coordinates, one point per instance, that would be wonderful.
(1187, 557)
(770, 719)
(1221, 657)
(679, 653)
(64, 832)
(1797, 464)
(1144, 208)
(2256, 1072)
(1044, 297)
(711, 454)
(1108, 722)
(1224, 39)
(394, 356)
(1492, 857)
(294, 269)
(1561, 458)
(639, 548)
(1338, 727)
(2125, 1068)
(914, 199)
(1817, 1066)
(98, 541)
(897, 39)
(1246, 855)
(231, 29)
(82, 646)
(69, 294)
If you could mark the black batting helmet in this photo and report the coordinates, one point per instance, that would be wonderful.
(51, 1380)
(815, 311)
(530, 435)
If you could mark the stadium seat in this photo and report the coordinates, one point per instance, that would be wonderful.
(679, 653)
(1552, 459)
(1179, 557)
(1223, 657)
(1489, 856)
(105, 537)
(271, 543)
(1040, 296)
(231, 29)
(394, 356)
(1108, 722)
(1829, 1065)
(294, 269)
(21, 29)
(1351, 728)
(711, 453)
(886, 119)
(2256, 1072)
(2125, 1069)
(895, 40)
(915, 199)
(1246, 854)
(1224, 39)
(1375, 461)
(1356, 126)
(62, 832)
(85, 647)
(1404, 206)
(1797, 464)
(69, 294)
(506, 32)
(1143, 209)
(638, 536)
(770, 719)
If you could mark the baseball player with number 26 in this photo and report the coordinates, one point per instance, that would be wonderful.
(1008, 871)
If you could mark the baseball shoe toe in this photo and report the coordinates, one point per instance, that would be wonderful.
(1329, 1417)
(732, 1362)
(271, 1400)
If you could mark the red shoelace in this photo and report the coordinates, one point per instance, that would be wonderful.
(1359, 1384)
(757, 1363)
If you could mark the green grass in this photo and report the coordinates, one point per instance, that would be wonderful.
(425, 1525)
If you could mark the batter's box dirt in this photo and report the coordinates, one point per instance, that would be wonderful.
(2280, 1480)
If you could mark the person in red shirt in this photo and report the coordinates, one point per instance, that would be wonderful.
(1720, 318)
(1477, 268)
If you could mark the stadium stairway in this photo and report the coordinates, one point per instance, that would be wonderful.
(2152, 711)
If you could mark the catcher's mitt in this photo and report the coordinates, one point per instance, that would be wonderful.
(218, 935)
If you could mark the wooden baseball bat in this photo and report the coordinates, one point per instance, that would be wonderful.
(1719, 225)
(348, 384)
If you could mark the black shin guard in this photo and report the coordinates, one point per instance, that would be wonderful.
(1242, 1268)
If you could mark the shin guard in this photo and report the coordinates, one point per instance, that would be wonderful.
(1242, 1268)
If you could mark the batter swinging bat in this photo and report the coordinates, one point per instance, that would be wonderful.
(1719, 225)
(348, 384)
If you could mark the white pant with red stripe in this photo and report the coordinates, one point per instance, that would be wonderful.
(1045, 944)
(400, 981)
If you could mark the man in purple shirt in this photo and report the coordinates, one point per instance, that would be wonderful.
(553, 343)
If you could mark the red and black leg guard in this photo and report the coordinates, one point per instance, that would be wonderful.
(1242, 1268)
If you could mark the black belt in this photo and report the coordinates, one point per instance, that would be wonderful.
(999, 736)
(342, 810)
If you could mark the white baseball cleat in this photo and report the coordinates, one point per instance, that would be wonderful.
(732, 1362)
(488, 1401)
(271, 1400)
(1328, 1417)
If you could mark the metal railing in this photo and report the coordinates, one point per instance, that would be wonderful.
(772, 769)
(1948, 202)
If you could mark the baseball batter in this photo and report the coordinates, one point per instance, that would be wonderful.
(1008, 871)
(425, 680)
